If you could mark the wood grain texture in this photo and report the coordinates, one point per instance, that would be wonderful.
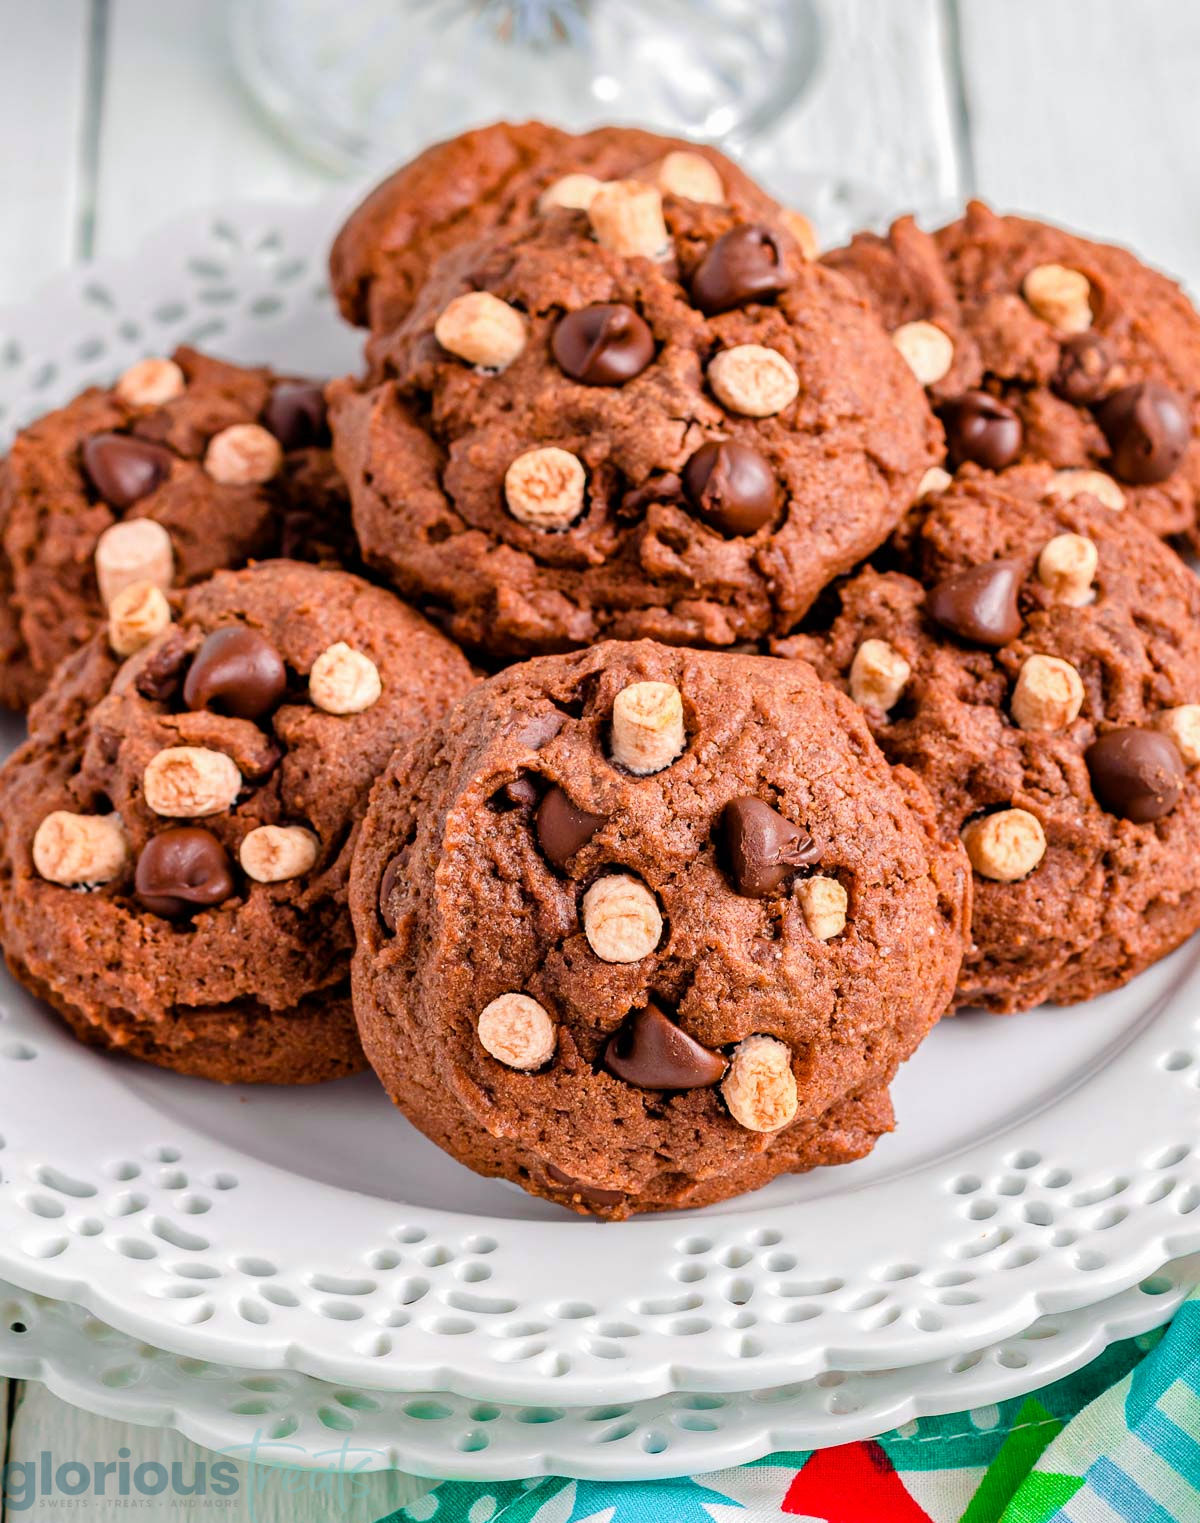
(43, 98)
(261, 1493)
(1087, 112)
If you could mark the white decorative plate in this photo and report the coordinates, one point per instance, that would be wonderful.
(1042, 1162)
(290, 1419)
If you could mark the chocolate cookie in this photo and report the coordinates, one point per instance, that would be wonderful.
(647, 419)
(1036, 344)
(642, 928)
(495, 177)
(177, 829)
(185, 466)
(1038, 666)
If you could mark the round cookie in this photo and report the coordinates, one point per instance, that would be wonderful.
(232, 463)
(177, 829)
(1036, 344)
(592, 432)
(641, 927)
(495, 177)
(1037, 664)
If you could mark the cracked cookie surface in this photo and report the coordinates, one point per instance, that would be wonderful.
(1036, 662)
(177, 830)
(642, 927)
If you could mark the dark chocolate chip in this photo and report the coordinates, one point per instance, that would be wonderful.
(563, 828)
(980, 604)
(762, 847)
(651, 1052)
(731, 487)
(159, 676)
(590, 1195)
(1147, 429)
(605, 344)
(980, 428)
(295, 414)
(1137, 774)
(522, 792)
(122, 469)
(387, 888)
(182, 870)
(1084, 365)
(535, 730)
(236, 671)
(745, 264)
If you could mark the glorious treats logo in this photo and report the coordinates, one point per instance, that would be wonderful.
(48, 1479)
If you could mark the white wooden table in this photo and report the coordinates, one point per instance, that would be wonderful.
(116, 114)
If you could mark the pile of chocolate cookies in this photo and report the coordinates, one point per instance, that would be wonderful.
(793, 649)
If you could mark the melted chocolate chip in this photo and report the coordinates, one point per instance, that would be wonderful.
(980, 604)
(295, 414)
(1084, 364)
(651, 1052)
(159, 676)
(980, 428)
(1147, 429)
(591, 1195)
(731, 487)
(605, 344)
(563, 828)
(387, 888)
(182, 870)
(1136, 774)
(762, 847)
(745, 264)
(123, 470)
(522, 792)
(236, 671)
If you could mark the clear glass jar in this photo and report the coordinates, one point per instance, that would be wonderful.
(363, 83)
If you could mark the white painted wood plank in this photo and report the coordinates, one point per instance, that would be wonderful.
(1087, 112)
(882, 109)
(178, 131)
(4, 1403)
(248, 1494)
(43, 71)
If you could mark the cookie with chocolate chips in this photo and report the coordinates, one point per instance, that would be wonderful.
(650, 418)
(1036, 344)
(496, 177)
(183, 467)
(641, 928)
(1036, 662)
(177, 830)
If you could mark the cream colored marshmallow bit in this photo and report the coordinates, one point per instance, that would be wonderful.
(760, 1087)
(926, 349)
(689, 175)
(74, 849)
(647, 727)
(481, 329)
(753, 380)
(1064, 485)
(621, 918)
(1005, 846)
(545, 488)
(878, 675)
(802, 231)
(627, 217)
(276, 853)
(151, 382)
(1182, 724)
(517, 1032)
(824, 902)
(189, 782)
(1048, 695)
(136, 615)
(344, 680)
(1059, 295)
(135, 550)
(243, 455)
(575, 192)
(1067, 567)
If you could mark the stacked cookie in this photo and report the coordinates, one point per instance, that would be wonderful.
(841, 674)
